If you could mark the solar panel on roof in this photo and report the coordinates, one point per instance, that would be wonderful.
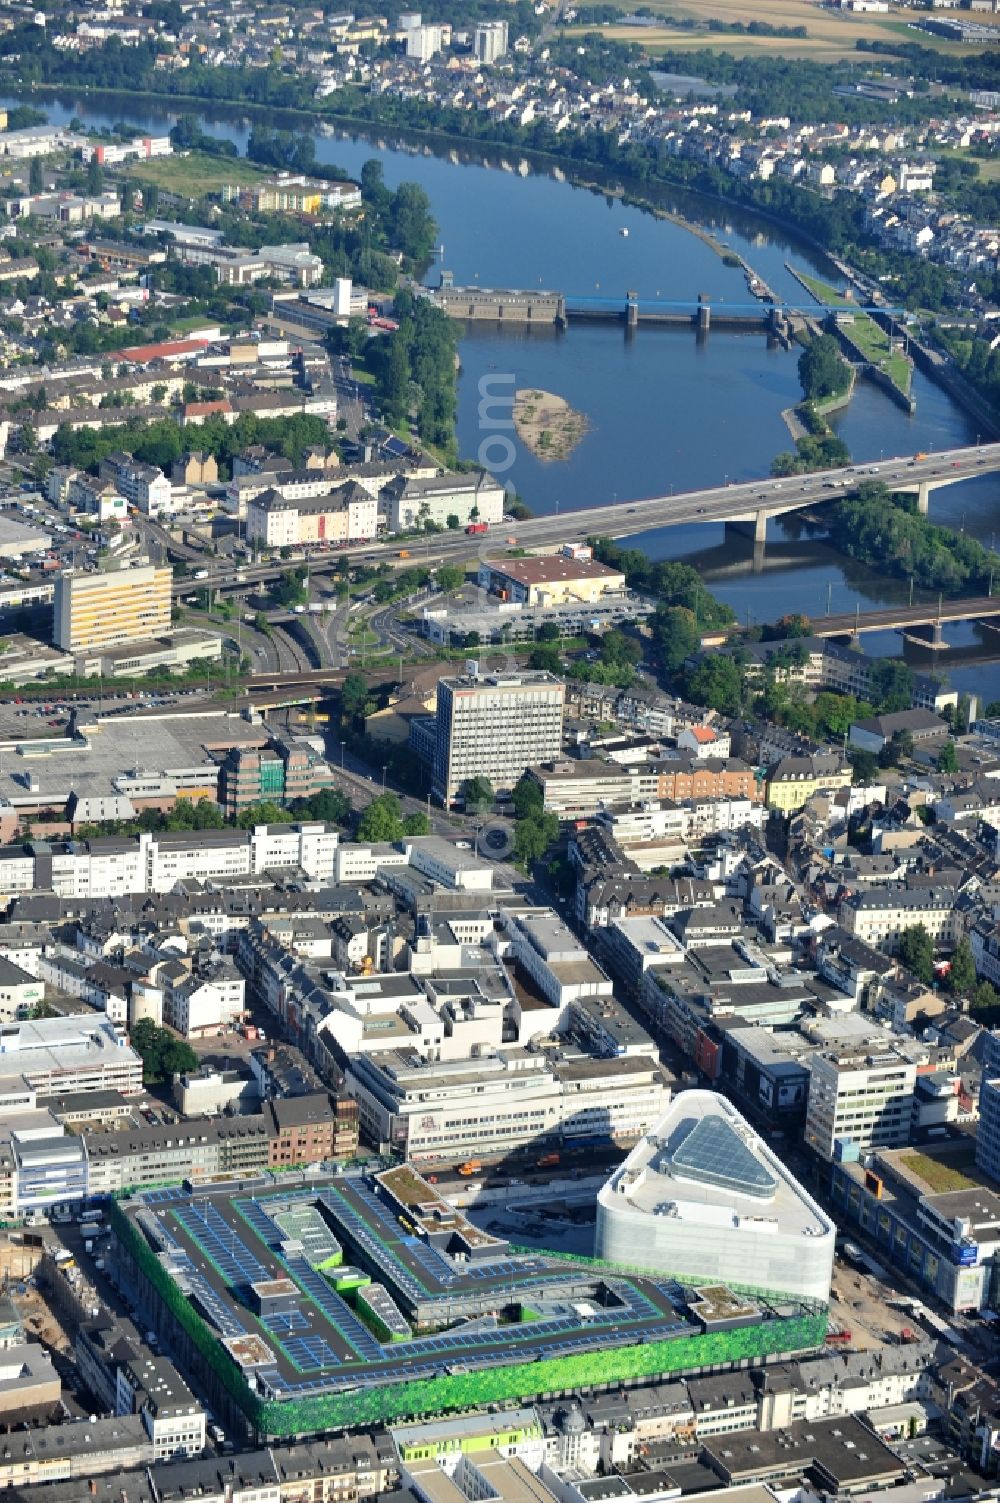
(713, 1153)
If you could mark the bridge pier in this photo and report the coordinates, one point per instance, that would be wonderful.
(631, 310)
(923, 498)
(704, 313)
(930, 636)
(755, 527)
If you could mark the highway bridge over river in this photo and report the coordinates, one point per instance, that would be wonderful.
(745, 505)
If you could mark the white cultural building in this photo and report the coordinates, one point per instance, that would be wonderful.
(702, 1196)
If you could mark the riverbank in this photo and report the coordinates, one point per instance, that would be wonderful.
(797, 418)
(863, 338)
(616, 185)
(547, 425)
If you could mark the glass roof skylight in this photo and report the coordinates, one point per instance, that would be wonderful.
(714, 1154)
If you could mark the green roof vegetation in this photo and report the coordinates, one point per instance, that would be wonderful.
(940, 1175)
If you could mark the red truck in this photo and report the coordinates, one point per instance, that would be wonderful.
(475, 528)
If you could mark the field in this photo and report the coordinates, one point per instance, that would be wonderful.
(831, 34)
(194, 174)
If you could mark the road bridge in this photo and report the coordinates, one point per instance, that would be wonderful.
(745, 505)
(904, 618)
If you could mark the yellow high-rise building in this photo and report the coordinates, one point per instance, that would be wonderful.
(93, 611)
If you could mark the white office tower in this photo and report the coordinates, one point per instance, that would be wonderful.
(490, 41)
(342, 289)
(702, 1196)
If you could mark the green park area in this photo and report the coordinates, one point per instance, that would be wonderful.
(870, 338)
(195, 174)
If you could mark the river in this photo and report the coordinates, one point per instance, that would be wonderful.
(665, 408)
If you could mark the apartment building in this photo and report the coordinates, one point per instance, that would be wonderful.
(346, 514)
(142, 484)
(793, 781)
(862, 1096)
(94, 611)
(411, 501)
(174, 1420)
(198, 1150)
(494, 727)
(879, 916)
(312, 1129)
(109, 867)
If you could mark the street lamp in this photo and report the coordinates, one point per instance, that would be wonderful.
(342, 745)
(384, 767)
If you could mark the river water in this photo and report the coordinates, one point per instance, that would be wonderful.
(665, 408)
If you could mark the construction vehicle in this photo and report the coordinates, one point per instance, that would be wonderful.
(547, 1160)
(469, 1169)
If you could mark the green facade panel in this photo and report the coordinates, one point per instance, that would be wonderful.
(376, 1404)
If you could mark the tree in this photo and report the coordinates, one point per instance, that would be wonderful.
(382, 820)
(453, 521)
(291, 588)
(265, 813)
(823, 371)
(411, 225)
(354, 696)
(478, 795)
(329, 805)
(618, 650)
(896, 750)
(676, 634)
(393, 383)
(95, 176)
(717, 682)
(416, 823)
(162, 1054)
(532, 838)
(450, 577)
(985, 995)
(891, 685)
(948, 758)
(916, 951)
(865, 764)
(546, 657)
(962, 976)
(527, 798)
(36, 178)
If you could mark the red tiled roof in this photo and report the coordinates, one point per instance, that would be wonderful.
(170, 349)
